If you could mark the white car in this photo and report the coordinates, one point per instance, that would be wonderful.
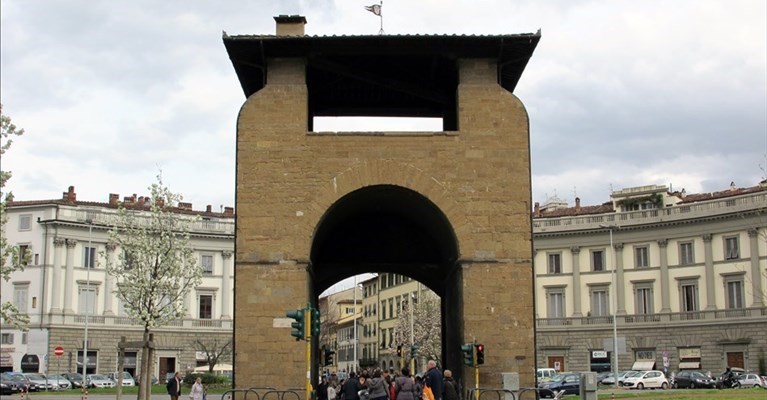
(59, 382)
(751, 380)
(127, 378)
(99, 381)
(646, 379)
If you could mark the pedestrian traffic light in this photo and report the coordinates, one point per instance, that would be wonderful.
(469, 352)
(298, 326)
(315, 332)
(413, 351)
(329, 357)
(399, 351)
(480, 358)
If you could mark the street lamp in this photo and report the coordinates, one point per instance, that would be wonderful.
(89, 260)
(613, 272)
(412, 334)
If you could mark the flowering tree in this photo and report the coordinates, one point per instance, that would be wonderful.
(156, 267)
(427, 327)
(10, 258)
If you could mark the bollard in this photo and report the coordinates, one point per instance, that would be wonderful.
(613, 397)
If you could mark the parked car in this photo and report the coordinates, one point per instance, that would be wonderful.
(27, 384)
(545, 374)
(751, 380)
(602, 375)
(59, 382)
(40, 380)
(137, 378)
(610, 380)
(127, 379)
(99, 381)
(75, 379)
(692, 380)
(570, 383)
(9, 384)
(646, 379)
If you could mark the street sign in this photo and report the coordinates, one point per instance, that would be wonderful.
(58, 351)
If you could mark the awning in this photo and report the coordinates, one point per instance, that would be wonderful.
(216, 368)
(643, 366)
(689, 365)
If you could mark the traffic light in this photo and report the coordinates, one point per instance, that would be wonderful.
(469, 354)
(298, 326)
(399, 351)
(329, 357)
(413, 351)
(480, 354)
(315, 322)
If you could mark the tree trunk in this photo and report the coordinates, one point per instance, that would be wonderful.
(144, 387)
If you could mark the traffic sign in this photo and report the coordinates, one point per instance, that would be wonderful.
(58, 351)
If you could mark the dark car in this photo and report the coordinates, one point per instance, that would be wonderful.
(21, 381)
(75, 378)
(692, 380)
(570, 383)
(10, 385)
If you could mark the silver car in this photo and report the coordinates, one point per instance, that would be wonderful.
(59, 382)
(99, 381)
(751, 380)
(39, 380)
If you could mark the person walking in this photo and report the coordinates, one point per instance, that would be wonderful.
(404, 386)
(197, 391)
(174, 386)
(351, 388)
(331, 392)
(450, 389)
(377, 386)
(433, 379)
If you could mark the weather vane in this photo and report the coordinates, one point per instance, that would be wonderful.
(376, 9)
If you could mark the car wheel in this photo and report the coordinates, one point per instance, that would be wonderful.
(692, 385)
(676, 385)
(640, 386)
(664, 386)
(757, 386)
(737, 384)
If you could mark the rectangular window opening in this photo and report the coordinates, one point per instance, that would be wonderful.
(377, 124)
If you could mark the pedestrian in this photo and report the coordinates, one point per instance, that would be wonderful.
(322, 389)
(404, 386)
(197, 391)
(331, 392)
(351, 388)
(174, 386)
(450, 388)
(433, 380)
(377, 386)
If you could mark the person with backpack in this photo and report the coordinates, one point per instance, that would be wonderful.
(450, 389)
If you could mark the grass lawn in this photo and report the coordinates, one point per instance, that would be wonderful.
(693, 394)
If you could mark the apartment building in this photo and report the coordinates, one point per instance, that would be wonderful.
(65, 290)
(678, 280)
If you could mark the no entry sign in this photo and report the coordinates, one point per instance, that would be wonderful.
(58, 351)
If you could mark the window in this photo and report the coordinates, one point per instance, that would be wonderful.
(7, 338)
(555, 303)
(555, 263)
(206, 262)
(686, 255)
(23, 254)
(731, 248)
(20, 295)
(641, 257)
(25, 222)
(87, 300)
(734, 289)
(350, 310)
(391, 308)
(644, 303)
(205, 306)
(383, 309)
(599, 304)
(598, 260)
(688, 296)
(89, 257)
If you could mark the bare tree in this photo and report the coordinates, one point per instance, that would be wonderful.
(156, 267)
(215, 351)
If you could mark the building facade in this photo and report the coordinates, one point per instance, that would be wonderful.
(683, 276)
(66, 292)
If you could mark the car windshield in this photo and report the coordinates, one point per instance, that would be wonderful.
(698, 375)
(75, 376)
(98, 377)
(36, 377)
(558, 378)
(54, 377)
(18, 378)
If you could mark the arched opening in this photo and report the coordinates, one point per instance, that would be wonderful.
(389, 229)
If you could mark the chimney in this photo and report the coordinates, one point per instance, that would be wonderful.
(113, 199)
(229, 210)
(290, 25)
(537, 209)
(208, 208)
(184, 206)
(70, 195)
(577, 204)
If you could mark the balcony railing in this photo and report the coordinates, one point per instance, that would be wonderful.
(731, 315)
(107, 217)
(121, 322)
(673, 213)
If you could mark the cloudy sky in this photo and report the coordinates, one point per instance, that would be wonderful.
(620, 93)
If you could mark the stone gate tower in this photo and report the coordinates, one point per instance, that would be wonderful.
(449, 208)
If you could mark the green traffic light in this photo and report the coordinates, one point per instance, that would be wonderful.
(298, 326)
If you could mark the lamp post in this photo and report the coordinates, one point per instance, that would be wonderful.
(89, 260)
(412, 333)
(613, 272)
(354, 363)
